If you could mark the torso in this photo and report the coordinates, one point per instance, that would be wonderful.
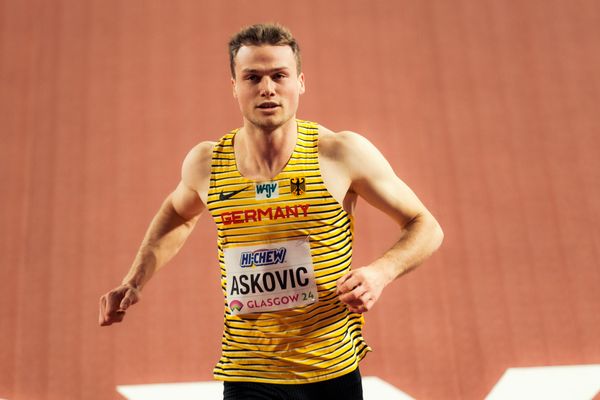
(283, 243)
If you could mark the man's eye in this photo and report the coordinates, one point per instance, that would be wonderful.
(279, 76)
(252, 78)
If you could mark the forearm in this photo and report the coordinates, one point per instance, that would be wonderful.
(421, 237)
(166, 234)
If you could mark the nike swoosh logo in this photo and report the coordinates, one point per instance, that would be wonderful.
(227, 196)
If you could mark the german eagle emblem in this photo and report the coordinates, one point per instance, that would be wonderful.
(298, 186)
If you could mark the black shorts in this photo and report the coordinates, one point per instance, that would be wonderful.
(347, 387)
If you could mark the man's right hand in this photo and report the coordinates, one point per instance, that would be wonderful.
(114, 304)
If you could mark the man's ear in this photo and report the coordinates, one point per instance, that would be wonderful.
(301, 80)
(233, 88)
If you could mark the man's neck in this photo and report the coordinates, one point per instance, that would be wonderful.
(262, 153)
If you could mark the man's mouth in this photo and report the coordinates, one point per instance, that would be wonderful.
(268, 105)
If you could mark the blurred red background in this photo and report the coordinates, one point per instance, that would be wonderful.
(487, 109)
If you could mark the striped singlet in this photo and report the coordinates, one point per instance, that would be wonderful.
(282, 246)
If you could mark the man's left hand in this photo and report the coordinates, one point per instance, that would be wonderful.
(360, 289)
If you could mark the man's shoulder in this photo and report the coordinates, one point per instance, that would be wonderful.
(339, 144)
(202, 150)
(200, 153)
(196, 164)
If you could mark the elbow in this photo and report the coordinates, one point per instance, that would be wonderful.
(438, 235)
(430, 231)
(434, 231)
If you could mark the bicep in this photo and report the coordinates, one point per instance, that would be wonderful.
(378, 184)
(186, 202)
(189, 197)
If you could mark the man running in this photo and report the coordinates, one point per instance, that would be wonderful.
(282, 193)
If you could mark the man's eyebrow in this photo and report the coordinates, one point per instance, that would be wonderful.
(269, 70)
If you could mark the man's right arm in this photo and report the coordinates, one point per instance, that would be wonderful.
(167, 232)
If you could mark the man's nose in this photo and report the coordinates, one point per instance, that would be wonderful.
(267, 86)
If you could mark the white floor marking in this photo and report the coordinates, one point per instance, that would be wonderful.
(574, 382)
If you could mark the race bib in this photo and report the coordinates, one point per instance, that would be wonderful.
(270, 276)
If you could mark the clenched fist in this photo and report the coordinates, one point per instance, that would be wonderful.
(114, 304)
(360, 289)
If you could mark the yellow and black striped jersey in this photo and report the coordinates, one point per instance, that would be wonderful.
(282, 246)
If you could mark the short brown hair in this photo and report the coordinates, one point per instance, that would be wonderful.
(260, 35)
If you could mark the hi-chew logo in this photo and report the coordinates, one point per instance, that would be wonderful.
(267, 190)
(262, 257)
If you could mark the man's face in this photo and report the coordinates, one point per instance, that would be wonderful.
(267, 85)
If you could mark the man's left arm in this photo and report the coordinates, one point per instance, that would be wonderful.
(374, 180)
